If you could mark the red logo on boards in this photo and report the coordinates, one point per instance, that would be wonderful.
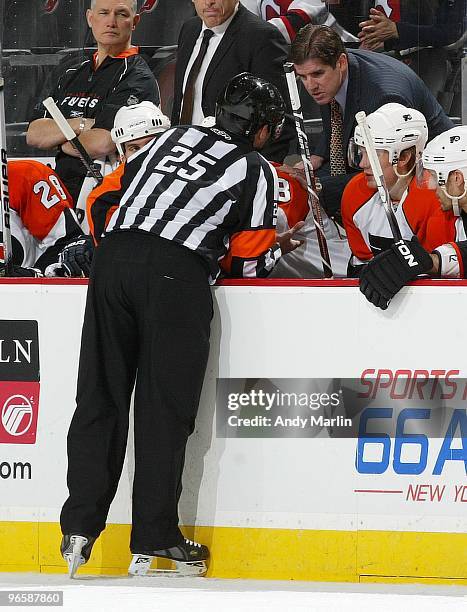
(148, 6)
(19, 405)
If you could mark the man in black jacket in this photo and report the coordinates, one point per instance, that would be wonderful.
(240, 41)
(90, 94)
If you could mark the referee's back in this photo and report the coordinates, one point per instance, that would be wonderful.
(197, 186)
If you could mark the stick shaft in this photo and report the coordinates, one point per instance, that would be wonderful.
(4, 193)
(313, 200)
(70, 135)
(378, 174)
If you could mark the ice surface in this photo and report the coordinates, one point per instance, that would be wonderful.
(162, 594)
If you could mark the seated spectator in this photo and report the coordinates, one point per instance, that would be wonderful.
(90, 94)
(385, 30)
(223, 40)
(400, 134)
(344, 82)
(42, 220)
(291, 15)
(445, 163)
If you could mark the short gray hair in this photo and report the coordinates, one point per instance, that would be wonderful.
(134, 6)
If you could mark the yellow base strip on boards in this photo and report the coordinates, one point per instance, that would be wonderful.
(261, 554)
(411, 580)
(410, 553)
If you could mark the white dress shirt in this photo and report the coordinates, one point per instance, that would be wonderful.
(341, 95)
(219, 32)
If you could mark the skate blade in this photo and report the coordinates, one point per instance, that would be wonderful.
(75, 559)
(141, 566)
(74, 562)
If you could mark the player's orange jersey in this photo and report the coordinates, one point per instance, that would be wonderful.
(418, 214)
(293, 198)
(42, 219)
(98, 209)
(37, 195)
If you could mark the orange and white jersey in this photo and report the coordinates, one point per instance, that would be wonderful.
(444, 226)
(448, 238)
(42, 219)
(305, 261)
(102, 203)
(293, 198)
(368, 231)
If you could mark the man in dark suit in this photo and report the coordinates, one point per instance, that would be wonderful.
(240, 41)
(344, 82)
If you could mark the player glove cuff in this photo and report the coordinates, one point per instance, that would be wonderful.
(389, 271)
(76, 257)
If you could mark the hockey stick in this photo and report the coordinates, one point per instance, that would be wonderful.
(4, 193)
(70, 135)
(378, 174)
(313, 200)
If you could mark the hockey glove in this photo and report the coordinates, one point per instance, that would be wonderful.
(76, 257)
(20, 272)
(389, 271)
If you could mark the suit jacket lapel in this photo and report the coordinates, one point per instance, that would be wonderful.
(184, 51)
(229, 38)
(352, 101)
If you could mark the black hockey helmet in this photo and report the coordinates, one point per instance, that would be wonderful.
(247, 103)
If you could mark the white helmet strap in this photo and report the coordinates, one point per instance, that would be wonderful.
(409, 172)
(400, 175)
(120, 149)
(455, 200)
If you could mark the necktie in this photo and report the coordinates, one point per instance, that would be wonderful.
(189, 94)
(337, 163)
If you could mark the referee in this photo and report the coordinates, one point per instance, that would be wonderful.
(191, 197)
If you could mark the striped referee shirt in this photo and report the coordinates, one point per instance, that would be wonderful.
(204, 189)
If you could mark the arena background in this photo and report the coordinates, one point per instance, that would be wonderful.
(39, 38)
(275, 509)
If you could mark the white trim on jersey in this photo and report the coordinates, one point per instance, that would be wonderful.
(371, 219)
(448, 261)
(460, 230)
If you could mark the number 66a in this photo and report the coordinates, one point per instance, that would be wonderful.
(446, 453)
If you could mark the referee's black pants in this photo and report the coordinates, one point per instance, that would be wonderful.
(147, 318)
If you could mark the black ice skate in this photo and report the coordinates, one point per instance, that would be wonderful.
(189, 558)
(76, 550)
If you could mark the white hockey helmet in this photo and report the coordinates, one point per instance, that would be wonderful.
(137, 121)
(394, 128)
(445, 153)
